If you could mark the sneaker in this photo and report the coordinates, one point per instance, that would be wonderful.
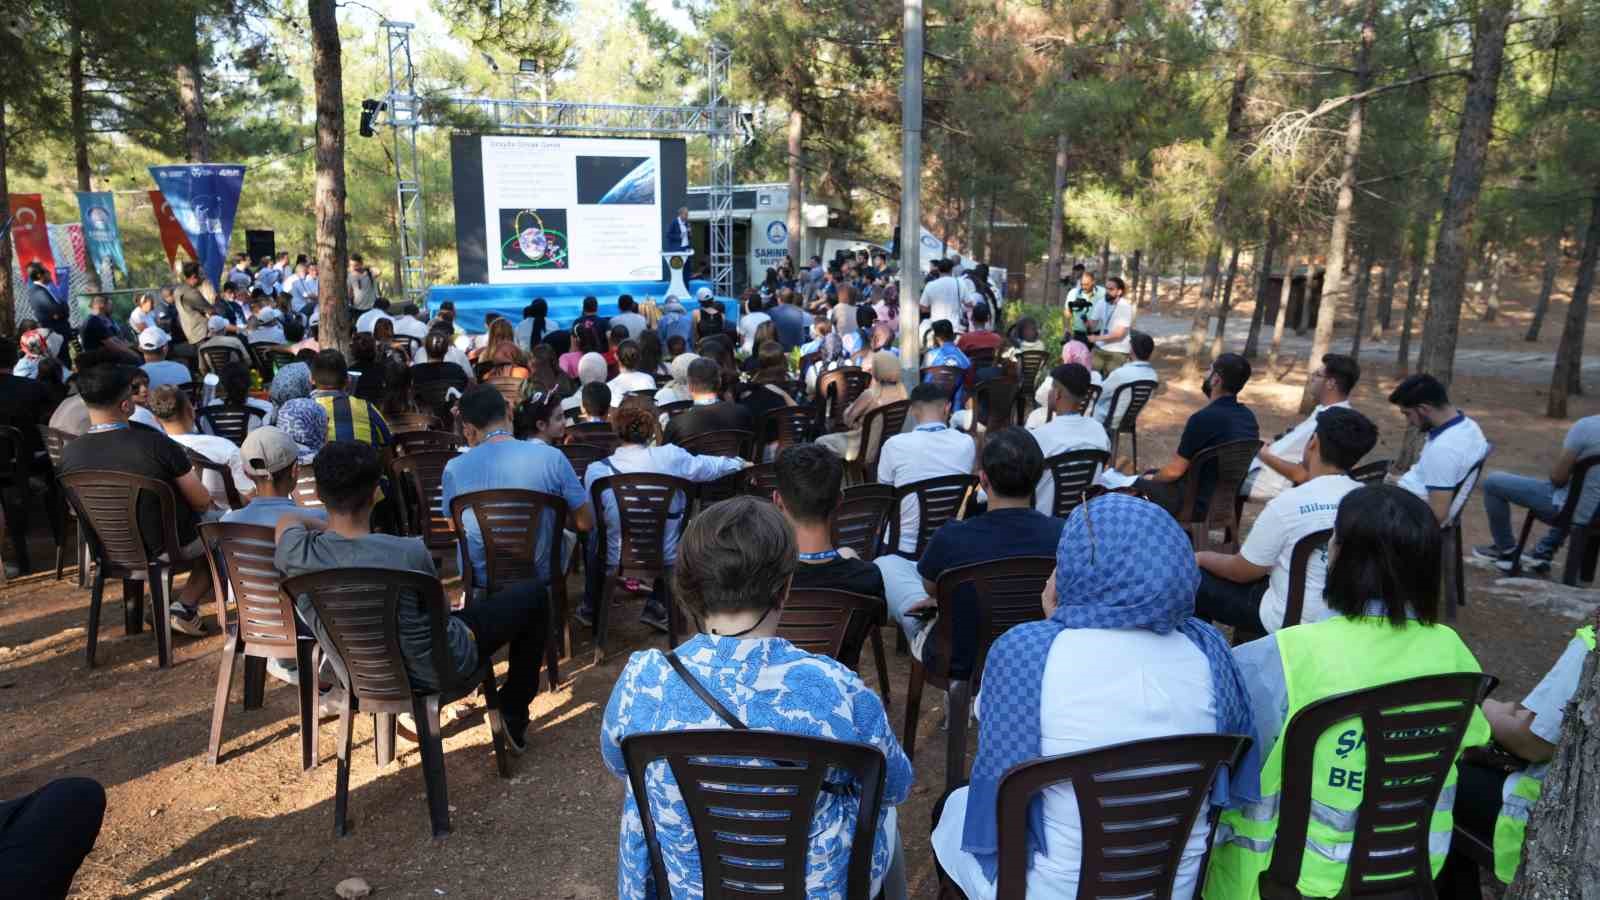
(656, 619)
(1536, 565)
(186, 622)
(1493, 554)
(284, 670)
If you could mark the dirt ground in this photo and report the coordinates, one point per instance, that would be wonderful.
(255, 826)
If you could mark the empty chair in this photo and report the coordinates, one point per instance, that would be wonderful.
(936, 501)
(419, 477)
(1029, 364)
(224, 420)
(1583, 538)
(785, 425)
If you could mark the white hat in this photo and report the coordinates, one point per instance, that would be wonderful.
(267, 315)
(703, 294)
(216, 324)
(153, 338)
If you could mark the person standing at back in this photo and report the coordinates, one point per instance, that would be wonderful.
(628, 317)
(362, 283)
(194, 310)
(47, 310)
(1111, 347)
(1455, 443)
(941, 297)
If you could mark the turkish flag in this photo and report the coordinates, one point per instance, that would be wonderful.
(28, 230)
(172, 236)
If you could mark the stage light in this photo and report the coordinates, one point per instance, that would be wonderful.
(369, 114)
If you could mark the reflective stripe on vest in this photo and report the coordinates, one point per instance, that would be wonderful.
(1517, 800)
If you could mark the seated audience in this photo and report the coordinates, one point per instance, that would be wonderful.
(409, 323)
(733, 575)
(710, 412)
(1223, 420)
(591, 370)
(1118, 657)
(441, 350)
(347, 484)
(171, 406)
(233, 390)
(628, 317)
(1278, 466)
(1072, 353)
(946, 353)
(884, 388)
(1249, 589)
(367, 320)
(538, 420)
(305, 421)
(754, 317)
(219, 336)
(1543, 497)
(1383, 590)
(153, 344)
(25, 404)
(1069, 430)
(1454, 445)
(768, 388)
(142, 417)
(982, 336)
(266, 327)
(349, 418)
(536, 321)
(71, 415)
(1021, 338)
(931, 449)
(678, 388)
(595, 403)
(1136, 369)
(810, 483)
(269, 457)
(631, 376)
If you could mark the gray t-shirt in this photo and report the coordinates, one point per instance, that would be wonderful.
(303, 551)
(1583, 438)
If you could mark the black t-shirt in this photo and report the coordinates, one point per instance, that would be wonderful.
(138, 451)
(95, 330)
(1218, 422)
(25, 404)
(853, 575)
(761, 399)
(719, 416)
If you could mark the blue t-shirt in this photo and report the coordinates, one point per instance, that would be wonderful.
(997, 534)
(267, 510)
(792, 324)
(95, 330)
(1218, 422)
(512, 465)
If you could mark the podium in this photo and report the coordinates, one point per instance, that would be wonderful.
(677, 261)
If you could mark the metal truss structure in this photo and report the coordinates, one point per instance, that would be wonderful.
(715, 120)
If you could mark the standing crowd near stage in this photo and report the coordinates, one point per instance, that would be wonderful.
(763, 430)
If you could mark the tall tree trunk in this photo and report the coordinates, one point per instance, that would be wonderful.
(1183, 281)
(1283, 307)
(8, 299)
(327, 71)
(1569, 353)
(1105, 259)
(1333, 286)
(1497, 270)
(76, 112)
(192, 101)
(1363, 291)
(1133, 275)
(796, 160)
(1303, 324)
(1204, 308)
(1391, 274)
(1053, 269)
(1561, 855)
(1252, 343)
(1219, 340)
(1547, 282)
(1414, 279)
(1443, 322)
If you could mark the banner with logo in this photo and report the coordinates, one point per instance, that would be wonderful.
(29, 234)
(100, 234)
(203, 199)
(172, 236)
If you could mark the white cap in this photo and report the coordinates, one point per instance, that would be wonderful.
(153, 338)
(267, 315)
(703, 294)
(216, 324)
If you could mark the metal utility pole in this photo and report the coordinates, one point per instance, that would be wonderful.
(910, 241)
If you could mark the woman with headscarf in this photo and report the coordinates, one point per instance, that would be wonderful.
(831, 354)
(1071, 352)
(678, 388)
(291, 382)
(306, 422)
(591, 368)
(35, 345)
(1021, 338)
(884, 389)
(1118, 657)
(880, 339)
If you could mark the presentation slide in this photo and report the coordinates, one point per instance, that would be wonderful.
(564, 210)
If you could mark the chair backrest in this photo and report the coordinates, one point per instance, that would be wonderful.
(939, 500)
(222, 472)
(55, 443)
(1412, 731)
(788, 425)
(224, 420)
(403, 422)
(729, 442)
(1464, 489)
(13, 453)
(420, 477)
(1029, 362)
(828, 622)
(1373, 472)
(759, 480)
(878, 426)
(360, 608)
(862, 515)
(1299, 562)
(675, 408)
(753, 823)
(1073, 473)
(280, 357)
(108, 502)
(216, 358)
(948, 378)
(430, 392)
(981, 358)
(1090, 398)
(1006, 592)
(304, 492)
(1575, 482)
(241, 558)
(1130, 397)
(838, 389)
(644, 513)
(409, 442)
(1138, 802)
(581, 455)
(509, 522)
(996, 401)
(196, 391)
(1230, 461)
(512, 389)
(598, 434)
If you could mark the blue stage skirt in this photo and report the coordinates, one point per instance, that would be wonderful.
(475, 301)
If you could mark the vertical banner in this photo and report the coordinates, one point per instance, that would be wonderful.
(172, 236)
(203, 199)
(28, 231)
(100, 233)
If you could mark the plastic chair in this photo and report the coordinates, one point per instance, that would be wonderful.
(1409, 753)
(752, 823)
(1137, 800)
(263, 356)
(787, 425)
(981, 358)
(644, 515)
(278, 357)
(217, 358)
(1130, 397)
(829, 622)
(836, 390)
(15, 465)
(1454, 582)
(304, 492)
(230, 490)
(939, 500)
(598, 434)
(948, 378)
(509, 521)
(1029, 362)
(1372, 472)
(108, 504)
(998, 398)
(196, 391)
(359, 609)
(1294, 604)
(675, 408)
(408, 442)
(1073, 474)
(512, 389)
(862, 516)
(580, 455)
(1231, 462)
(432, 393)
(223, 420)
(403, 422)
(1090, 398)
(878, 426)
(259, 623)
(1006, 593)
(55, 443)
(1581, 543)
(729, 442)
(419, 477)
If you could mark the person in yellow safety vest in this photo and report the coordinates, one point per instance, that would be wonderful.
(1494, 805)
(1383, 629)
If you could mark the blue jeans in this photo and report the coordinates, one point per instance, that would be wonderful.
(1501, 490)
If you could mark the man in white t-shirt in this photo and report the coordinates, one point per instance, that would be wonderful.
(941, 297)
(407, 324)
(1250, 589)
(1115, 317)
(369, 319)
(1278, 467)
(170, 404)
(1137, 369)
(1455, 444)
(754, 317)
(1069, 430)
(931, 450)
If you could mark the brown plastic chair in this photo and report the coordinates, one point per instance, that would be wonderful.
(878, 426)
(304, 492)
(223, 420)
(230, 490)
(729, 442)
(948, 378)
(759, 481)
(581, 455)
(259, 622)
(1409, 755)
(431, 393)
(836, 390)
(829, 622)
(787, 425)
(759, 814)
(512, 389)
(1581, 537)
(1294, 604)
(644, 515)
(15, 466)
(1131, 397)
(1029, 362)
(402, 422)
(862, 516)
(359, 609)
(939, 500)
(409, 442)
(509, 522)
(998, 398)
(598, 434)
(1073, 474)
(1007, 594)
(1454, 582)
(1138, 802)
(1231, 462)
(215, 359)
(55, 443)
(981, 358)
(419, 477)
(108, 504)
(1372, 472)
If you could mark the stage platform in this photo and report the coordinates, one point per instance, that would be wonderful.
(475, 301)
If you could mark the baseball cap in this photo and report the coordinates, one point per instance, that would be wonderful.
(267, 451)
(153, 338)
(217, 324)
(703, 294)
(268, 314)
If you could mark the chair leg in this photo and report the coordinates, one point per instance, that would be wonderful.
(230, 651)
(876, 634)
(306, 665)
(341, 783)
(1133, 442)
(558, 636)
(163, 620)
(955, 752)
(602, 616)
(83, 557)
(913, 708)
(1448, 588)
(255, 681)
(1461, 568)
(1522, 541)
(497, 724)
(132, 606)
(425, 709)
(94, 614)
(383, 732)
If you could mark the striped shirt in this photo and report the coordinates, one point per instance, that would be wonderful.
(352, 419)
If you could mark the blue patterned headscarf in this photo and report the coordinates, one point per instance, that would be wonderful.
(290, 383)
(306, 422)
(1122, 562)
